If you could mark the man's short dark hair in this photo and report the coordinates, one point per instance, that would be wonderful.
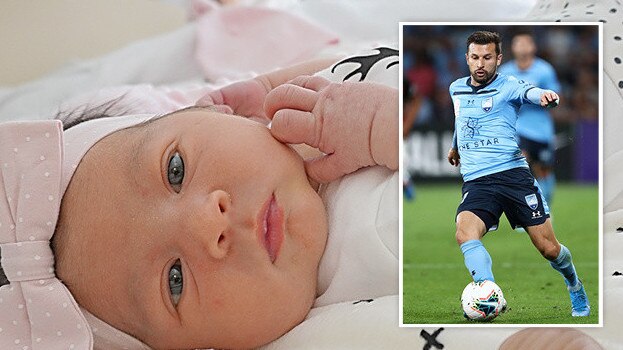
(483, 38)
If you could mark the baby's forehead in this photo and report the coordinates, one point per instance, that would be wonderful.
(172, 119)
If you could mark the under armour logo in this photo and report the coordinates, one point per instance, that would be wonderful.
(431, 339)
(536, 214)
(470, 102)
(473, 272)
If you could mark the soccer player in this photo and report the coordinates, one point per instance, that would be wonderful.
(534, 126)
(495, 173)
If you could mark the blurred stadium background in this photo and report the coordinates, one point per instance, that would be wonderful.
(433, 270)
(434, 56)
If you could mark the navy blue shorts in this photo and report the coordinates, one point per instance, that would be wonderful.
(513, 192)
(537, 152)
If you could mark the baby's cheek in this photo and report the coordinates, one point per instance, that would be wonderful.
(314, 225)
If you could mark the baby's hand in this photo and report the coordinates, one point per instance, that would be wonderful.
(244, 98)
(354, 124)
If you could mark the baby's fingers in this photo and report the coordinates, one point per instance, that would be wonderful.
(326, 168)
(225, 109)
(310, 82)
(293, 126)
(289, 96)
(214, 99)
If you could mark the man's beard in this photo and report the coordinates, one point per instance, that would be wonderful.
(485, 79)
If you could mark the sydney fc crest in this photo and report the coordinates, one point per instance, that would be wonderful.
(487, 104)
(532, 201)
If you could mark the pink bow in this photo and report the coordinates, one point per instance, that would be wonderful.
(36, 310)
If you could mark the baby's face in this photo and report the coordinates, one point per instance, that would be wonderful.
(196, 230)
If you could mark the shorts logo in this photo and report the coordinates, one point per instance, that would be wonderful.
(464, 196)
(487, 104)
(536, 214)
(532, 201)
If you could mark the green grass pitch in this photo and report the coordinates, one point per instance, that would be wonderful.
(434, 274)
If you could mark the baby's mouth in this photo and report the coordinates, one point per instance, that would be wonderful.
(270, 228)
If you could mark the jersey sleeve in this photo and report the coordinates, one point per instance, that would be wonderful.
(517, 90)
(451, 89)
(454, 106)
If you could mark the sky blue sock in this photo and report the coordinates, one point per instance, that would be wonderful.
(477, 260)
(564, 265)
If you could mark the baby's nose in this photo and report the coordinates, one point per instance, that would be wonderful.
(214, 231)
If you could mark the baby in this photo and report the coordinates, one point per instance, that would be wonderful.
(200, 229)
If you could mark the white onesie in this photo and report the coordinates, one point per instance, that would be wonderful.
(361, 258)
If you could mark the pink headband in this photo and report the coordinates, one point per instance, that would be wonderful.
(37, 161)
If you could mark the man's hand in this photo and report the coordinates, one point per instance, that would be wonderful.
(453, 157)
(549, 99)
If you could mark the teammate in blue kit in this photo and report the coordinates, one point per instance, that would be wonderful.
(495, 172)
(534, 126)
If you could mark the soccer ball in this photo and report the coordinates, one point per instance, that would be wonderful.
(482, 301)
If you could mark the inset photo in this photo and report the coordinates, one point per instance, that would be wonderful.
(501, 203)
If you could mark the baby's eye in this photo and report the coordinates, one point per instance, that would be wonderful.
(175, 172)
(176, 282)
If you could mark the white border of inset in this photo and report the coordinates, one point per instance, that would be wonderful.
(601, 180)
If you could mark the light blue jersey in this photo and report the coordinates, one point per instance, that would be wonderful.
(485, 118)
(534, 123)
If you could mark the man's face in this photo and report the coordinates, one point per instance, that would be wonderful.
(482, 62)
(523, 46)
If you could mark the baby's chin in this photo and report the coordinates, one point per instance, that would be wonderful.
(270, 333)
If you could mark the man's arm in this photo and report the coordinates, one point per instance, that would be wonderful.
(520, 92)
(545, 98)
(453, 154)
